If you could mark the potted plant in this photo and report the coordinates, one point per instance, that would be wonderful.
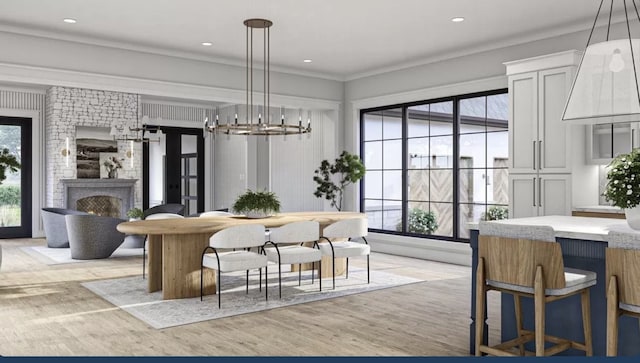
(623, 185)
(421, 221)
(332, 179)
(259, 204)
(135, 214)
(496, 213)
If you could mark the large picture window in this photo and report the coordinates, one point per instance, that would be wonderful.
(436, 165)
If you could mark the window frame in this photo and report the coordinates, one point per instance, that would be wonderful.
(455, 237)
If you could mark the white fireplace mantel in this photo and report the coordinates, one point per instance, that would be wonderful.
(75, 189)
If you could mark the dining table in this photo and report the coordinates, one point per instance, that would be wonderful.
(175, 247)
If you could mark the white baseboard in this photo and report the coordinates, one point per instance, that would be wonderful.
(429, 249)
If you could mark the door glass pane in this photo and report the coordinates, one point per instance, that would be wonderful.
(418, 150)
(373, 155)
(441, 118)
(392, 187)
(441, 149)
(373, 185)
(10, 189)
(418, 121)
(373, 126)
(472, 115)
(392, 214)
(392, 124)
(193, 166)
(392, 158)
(373, 209)
(472, 150)
(193, 187)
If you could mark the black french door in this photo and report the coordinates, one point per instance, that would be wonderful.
(15, 190)
(183, 174)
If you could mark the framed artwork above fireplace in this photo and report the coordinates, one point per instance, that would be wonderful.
(91, 142)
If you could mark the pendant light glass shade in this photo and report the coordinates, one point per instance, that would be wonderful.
(605, 89)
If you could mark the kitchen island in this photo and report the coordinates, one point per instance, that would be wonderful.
(583, 243)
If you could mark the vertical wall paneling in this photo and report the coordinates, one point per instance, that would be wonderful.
(30, 104)
(294, 159)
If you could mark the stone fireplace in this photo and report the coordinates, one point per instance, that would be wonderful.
(107, 197)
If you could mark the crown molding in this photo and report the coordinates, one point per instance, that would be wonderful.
(16, 73)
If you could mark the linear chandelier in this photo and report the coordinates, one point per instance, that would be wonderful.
(605, 88)
(258, 118)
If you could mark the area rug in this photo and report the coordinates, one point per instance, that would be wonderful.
(130, 295)
(55, 256)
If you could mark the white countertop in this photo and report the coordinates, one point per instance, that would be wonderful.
(598, 209)
(585, 228)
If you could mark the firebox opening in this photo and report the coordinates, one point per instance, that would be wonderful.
(101, 205)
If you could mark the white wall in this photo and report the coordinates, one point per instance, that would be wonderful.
(67, 55)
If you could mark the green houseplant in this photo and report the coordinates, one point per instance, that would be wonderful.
(135, 213)
(420, 221)
(332, 179)
(623, 185)
(496, 213)
(258, 204)
(9, 162)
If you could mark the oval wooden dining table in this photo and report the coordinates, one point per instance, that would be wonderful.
(175, 247)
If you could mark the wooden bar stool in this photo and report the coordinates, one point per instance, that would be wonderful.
(525, 261)
(623, 286)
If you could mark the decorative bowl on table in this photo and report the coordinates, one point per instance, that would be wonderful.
(255, 214)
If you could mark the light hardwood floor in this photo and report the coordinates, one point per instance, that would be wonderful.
(45, 311)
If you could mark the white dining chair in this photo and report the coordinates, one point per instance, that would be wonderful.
(216, 213)
(240, 238)
(345, 229)
(288, 248)
(144, 246)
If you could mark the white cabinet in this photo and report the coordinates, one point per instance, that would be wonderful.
(540, 147)
(539, 195)
(538, 136)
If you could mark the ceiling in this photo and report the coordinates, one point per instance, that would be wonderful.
(345, 39)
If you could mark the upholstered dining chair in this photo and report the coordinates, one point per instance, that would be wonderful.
(525, 261)
(623, 290)
(287, 248)
(240, 238)
(173, 208)
(345, 229)
(144, 246)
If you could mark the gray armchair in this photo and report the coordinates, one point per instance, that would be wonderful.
(55, 227)
(92, 237)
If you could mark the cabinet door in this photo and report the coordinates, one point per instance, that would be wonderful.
(523, 195)
(554, 197)
(523, 122)
(554, 149)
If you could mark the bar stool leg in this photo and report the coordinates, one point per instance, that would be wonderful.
(612, 318)
(518, 308)
(539, 311)
(480, 302)
(586, 322)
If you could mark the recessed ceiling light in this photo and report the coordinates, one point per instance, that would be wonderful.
(457, 19)
(69, 21)
(307, 61)
(207, 44)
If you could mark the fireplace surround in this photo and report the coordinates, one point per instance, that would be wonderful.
(119, 189)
